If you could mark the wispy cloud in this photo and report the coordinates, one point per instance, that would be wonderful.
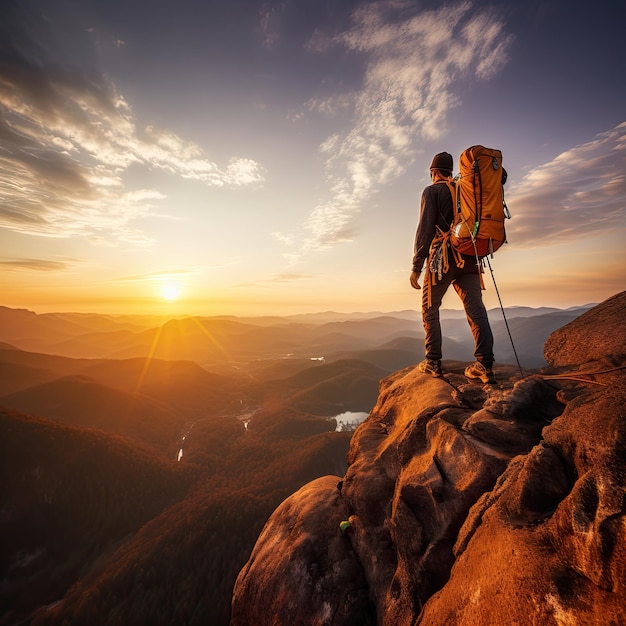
(580, 193)
(413, 61)
(149, 276)
(40, 265)
(160, 275)
(291, 277)
(286, 277)
(69, 138)
(269, 20)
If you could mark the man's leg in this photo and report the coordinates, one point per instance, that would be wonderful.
(430, 316)
(468, 288)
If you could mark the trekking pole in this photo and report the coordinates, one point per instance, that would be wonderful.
(493, 278)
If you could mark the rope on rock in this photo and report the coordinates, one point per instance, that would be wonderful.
(577, 375)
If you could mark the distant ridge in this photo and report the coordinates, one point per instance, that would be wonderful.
(221, 343)
(525, 311)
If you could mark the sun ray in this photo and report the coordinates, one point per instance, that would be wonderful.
(148, 361)
(211, 338)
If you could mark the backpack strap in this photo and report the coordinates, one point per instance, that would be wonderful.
(456, 206)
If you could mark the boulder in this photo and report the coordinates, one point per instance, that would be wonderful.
(303, 569)
(599, 335)
(548, 544)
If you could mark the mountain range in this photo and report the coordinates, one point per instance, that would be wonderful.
(223, 343)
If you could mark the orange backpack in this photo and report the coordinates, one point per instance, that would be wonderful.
(479, 206)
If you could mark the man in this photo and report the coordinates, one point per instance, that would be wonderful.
(436, 215)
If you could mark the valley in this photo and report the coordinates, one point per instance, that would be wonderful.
(141, 457)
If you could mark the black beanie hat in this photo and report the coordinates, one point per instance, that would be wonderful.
(442, 161)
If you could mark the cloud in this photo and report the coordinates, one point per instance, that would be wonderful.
(140, 278)
(34, 264)
(581, 192)
(69, 138)
(329, 107)
(191, 272)
(283, 278)
(269, 20)
(290, 277)
(283, 238)
(413, 62)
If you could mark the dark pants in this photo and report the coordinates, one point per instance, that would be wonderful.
(467, 285)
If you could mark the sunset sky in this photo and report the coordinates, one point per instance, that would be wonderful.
(267, 157)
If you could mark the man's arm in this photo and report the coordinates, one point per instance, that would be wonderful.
(425, 229)
(424, 235)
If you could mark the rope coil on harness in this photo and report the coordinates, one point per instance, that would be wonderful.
(439, 260)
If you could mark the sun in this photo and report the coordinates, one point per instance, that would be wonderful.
(170, 292)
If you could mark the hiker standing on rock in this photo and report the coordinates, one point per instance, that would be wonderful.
(433, 248)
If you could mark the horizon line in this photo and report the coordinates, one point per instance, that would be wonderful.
(290, 315)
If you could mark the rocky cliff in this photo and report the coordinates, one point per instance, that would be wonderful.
(465, 504)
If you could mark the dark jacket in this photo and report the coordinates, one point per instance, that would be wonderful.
(436, 210)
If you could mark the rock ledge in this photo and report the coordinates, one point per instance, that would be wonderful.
(467, 504)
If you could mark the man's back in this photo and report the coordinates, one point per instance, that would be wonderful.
(436, 210)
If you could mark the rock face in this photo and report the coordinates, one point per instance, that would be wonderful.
(466, 504)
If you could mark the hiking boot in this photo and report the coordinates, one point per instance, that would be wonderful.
(429, 366)
(478, 370)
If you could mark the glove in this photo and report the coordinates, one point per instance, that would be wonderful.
(414, 278)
